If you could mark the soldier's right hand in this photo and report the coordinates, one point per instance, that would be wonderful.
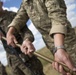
(1, 34)
(63, 57)
(11, 40)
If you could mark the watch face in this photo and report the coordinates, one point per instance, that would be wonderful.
(54, 49)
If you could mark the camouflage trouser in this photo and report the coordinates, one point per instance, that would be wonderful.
(2, 70)
(32, 66)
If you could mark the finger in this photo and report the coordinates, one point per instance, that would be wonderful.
(56, 66)
(30, 52)
(31, 48)
(12, 44)
(61, 70)
(53, 65)
(15, 40)
(24, 49)
(68, 74)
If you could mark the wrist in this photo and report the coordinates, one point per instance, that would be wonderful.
(11, 30)
(55, 49)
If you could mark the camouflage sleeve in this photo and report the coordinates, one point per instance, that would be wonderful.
(57, 14)
(12, 15)
(19, 23)
(26, 33)
(20, 19)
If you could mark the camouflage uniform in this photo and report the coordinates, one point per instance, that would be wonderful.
(49, 17)
(31, 66)
(2, 70)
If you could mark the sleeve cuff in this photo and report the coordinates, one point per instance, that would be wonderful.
(13, 25)
(58, 29)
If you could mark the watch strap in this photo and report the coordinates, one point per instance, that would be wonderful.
(56, 48)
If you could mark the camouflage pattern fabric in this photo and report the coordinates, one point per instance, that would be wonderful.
(70, 43)
(17, 67)
(49, 17)
(32, 66)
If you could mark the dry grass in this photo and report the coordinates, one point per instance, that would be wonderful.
(47, 68)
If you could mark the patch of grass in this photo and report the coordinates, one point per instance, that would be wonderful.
(8, 70)
(47, 68)
(44, 51)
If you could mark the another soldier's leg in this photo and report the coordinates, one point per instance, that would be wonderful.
(31, 67)
(35, 66)
(17, 66)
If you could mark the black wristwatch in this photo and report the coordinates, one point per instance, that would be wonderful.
(56, 48)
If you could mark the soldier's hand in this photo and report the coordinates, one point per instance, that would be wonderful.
(62, 57)
(11, 40)
(1, 34)
(27, 47)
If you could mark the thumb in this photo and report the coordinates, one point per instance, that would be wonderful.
(15, 41)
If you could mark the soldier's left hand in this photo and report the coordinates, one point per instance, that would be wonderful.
(27, 47)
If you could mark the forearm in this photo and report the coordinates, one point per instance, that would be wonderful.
(29, 35)
(11, 30)
(26, 33)
(58, 40)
